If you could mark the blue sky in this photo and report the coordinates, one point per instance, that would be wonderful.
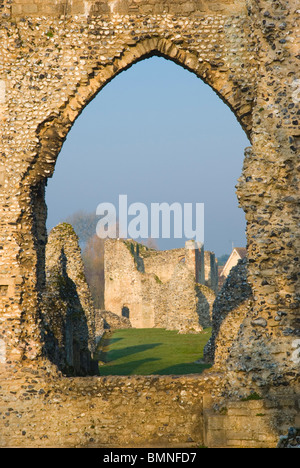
(156, 133)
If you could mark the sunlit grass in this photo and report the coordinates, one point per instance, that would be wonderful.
(152, 351)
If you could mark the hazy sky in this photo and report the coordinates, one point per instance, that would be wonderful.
(156, 133)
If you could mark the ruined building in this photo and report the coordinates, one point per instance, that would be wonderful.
(163, 289)
(55, 56)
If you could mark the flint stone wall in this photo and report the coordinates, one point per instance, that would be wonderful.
(39, 408)
(211, 271)
(68, 313)
(229, 310)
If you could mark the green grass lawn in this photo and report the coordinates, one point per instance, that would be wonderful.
(152, 351)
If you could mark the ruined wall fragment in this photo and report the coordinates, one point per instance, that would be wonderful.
(68, 311)
(159, 289)
(229, 310)
(211, 271)
(111, 322)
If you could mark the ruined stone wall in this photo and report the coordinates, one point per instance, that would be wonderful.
(228, 313)
(68, 313)
(186, 309)
(122, 284)
(162, 263)
(111, 322)
(269, 192)
(104, 7)
(98, 411)
(39, 408)
(159, 289)
(208, 296)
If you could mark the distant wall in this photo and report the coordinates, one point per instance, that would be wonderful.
(159, 289)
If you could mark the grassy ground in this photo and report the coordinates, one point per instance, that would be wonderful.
(152, 351)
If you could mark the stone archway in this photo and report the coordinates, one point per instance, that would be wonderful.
(55, 64)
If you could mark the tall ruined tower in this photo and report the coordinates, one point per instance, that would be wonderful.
(194, 258)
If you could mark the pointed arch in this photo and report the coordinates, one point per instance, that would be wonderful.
(53, 131)
(62, 114)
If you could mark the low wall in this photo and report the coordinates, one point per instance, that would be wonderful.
(46, 410)
(39, 411)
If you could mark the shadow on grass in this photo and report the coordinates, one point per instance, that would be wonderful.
(115, 354)
(130, 368)
(114, 340)
(185, 368)
(163, 357)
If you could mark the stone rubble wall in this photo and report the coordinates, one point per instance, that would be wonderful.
(211, 271)
(291, 440)
(99, 411)
(251, 422)
(68, 313)
(111, 322)
(41, 409)
(162, 263)
(182, 311)
(125, 7)
(207, 296)
(229, 310)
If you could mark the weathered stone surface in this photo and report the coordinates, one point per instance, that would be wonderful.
(42, 409)
(291, 440)
(211, 271)
(52, 66)
(68, 313)
(229, 310)
(111, 321)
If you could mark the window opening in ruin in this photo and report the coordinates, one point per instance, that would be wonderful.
(125, 312)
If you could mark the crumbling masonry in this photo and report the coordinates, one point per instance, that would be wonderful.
(68, 315)
(55, 56)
